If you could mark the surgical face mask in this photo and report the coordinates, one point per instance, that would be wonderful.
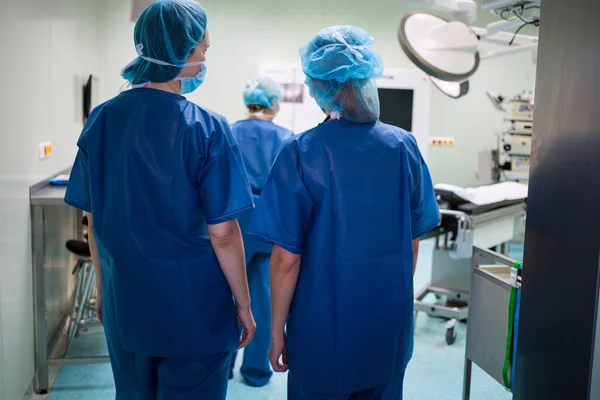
(188, 85)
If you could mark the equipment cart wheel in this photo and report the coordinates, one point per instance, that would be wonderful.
(451, 333)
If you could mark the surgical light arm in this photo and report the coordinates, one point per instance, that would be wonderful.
(462, 10)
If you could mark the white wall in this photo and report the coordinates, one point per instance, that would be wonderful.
(48, 46)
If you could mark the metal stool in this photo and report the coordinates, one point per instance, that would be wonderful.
(84, 298)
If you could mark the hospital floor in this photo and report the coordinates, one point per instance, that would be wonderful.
(435, 372)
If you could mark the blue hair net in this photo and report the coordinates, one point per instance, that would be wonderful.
(166, 32)
(341, 66)
(262, 91)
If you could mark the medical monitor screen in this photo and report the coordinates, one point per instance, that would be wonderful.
(87, 98)
(397, 107)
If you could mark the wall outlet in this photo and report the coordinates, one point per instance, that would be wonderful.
(45, 150)
(441, 141)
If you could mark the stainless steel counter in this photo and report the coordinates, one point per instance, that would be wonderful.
(48, 195)
(53, 223)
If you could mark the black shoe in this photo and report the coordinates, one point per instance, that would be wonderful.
(230, 375)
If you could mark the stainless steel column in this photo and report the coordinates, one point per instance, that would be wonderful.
(41, 383)
(561, 263)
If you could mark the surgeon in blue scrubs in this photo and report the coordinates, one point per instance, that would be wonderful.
(344, 205)
(259, 139)
(163, 182)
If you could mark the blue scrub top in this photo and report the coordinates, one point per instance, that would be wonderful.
(349, 198)
(259, 141)
(154, 169)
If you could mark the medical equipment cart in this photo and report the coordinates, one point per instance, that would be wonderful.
(490, 226)
(487, 328)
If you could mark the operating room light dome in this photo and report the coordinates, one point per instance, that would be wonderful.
(451, 89)
(446, 50)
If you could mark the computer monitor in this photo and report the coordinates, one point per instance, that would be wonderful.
(90, 96)
(397, 107)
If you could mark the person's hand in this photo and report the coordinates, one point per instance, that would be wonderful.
(246, 319)
(98, 306)
(277, 351)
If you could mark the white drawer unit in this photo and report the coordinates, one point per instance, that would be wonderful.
(520, 144)
(524, 126)
(520, 163)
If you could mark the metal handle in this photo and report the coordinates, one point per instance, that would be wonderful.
(461, 216)
(491, 255)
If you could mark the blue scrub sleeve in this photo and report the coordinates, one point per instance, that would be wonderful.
(284, 208)
(78, 190)
(424, 210)
(223, 187)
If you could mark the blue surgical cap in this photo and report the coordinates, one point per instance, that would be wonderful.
(341, 65)
(262, 91)
(167, 31)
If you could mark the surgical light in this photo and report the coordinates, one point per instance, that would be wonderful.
(451, 89)
(445, 50)
(450, 51)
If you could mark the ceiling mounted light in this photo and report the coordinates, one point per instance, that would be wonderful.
(445, 50)
(451, 89)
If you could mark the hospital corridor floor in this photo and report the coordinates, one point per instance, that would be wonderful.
(435, 372)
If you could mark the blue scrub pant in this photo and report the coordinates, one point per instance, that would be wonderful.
(391, 390)
(139, 377)
(256, 369)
